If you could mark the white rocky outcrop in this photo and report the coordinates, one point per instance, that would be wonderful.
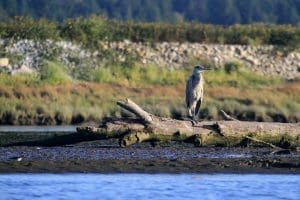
(268, 60)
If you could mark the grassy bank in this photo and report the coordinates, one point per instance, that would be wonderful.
(54, 97)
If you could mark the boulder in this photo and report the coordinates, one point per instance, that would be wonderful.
(4, 62)
(22, 70)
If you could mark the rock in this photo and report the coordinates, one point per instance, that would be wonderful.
(22, 70)
(4, 62)
(32, 55)
(238, 51)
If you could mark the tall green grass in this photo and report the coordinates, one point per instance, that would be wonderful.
(236, 75)
(51, 98)
(233, 75)
(135, 75)
(54, 73)
(71, 104)
(24, 79)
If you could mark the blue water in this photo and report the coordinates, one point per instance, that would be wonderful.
(37, 129)
(149, 186)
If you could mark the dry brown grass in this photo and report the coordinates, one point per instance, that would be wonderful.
(80, 102)
(289, 88)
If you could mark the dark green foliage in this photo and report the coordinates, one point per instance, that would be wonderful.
(285, 36)
(232, 67)
(27, 27)
(86, 30)
(94, 29)
(205, 11)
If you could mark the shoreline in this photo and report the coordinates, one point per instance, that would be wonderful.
(143, 159)
(151, 166)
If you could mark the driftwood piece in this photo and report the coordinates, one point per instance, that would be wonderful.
(263, 142)
(227, 117)
(148, 127)
(135, 109)
(278, 150)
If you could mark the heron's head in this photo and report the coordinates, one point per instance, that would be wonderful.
(199, 68)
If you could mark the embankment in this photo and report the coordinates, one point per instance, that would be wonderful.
(265, 59)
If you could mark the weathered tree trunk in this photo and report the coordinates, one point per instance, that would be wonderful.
(147, 127)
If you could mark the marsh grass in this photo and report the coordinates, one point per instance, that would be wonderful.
(54, 97)
(132, 73)
(8, 80)
(138, 76)
(77, 103)
(236, 75)
(54, 73)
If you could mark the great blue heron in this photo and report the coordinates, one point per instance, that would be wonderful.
(194, 91)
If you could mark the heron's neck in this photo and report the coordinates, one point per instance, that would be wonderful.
(198, 75)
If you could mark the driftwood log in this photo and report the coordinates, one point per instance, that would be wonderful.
(147, 127)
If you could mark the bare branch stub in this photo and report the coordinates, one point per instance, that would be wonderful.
(227, 117)
(135, 109)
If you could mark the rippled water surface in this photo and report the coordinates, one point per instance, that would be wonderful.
(149, 186)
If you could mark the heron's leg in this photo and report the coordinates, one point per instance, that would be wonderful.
(195, 117)
(194, 122)
(191, 118)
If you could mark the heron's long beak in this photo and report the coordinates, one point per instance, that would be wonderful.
(207, 68)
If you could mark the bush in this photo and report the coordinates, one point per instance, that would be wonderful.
(102, 75)
(54, 73)
(90, 30)
(85, 30)
(285, 36)
(28, 28)
(232, 67)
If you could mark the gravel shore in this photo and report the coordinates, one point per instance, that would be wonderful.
(91, 157)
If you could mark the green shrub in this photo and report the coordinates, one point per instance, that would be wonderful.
(54, 73)
(90, 30)
(102, 75)
(85, 30)
(286, 37)
(232, 67)
(28, 28)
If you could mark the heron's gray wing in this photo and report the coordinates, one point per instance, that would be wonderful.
(188, 92)
(199, 102)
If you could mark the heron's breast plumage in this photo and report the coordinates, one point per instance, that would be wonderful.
(197, 85)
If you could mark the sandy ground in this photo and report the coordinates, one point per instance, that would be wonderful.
(173, 158)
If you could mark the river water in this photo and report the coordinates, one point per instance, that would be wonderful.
(149, 186)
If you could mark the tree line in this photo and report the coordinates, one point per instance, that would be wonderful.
(94, 29)
(223, 12)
